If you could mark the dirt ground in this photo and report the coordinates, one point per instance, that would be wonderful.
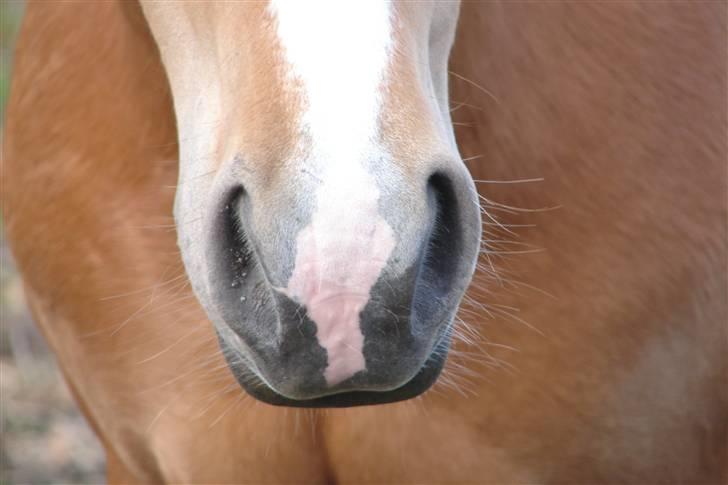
(43, 439)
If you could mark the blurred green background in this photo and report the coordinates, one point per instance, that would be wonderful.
(43, 438)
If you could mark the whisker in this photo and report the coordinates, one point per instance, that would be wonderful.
(515, 181)
(476, 85)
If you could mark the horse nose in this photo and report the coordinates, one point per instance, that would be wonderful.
(353, 297)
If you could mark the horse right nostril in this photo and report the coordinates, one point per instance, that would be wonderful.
(235, 279)
(234, 255)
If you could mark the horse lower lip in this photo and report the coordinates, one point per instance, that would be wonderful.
(257, 386)
(420, 383)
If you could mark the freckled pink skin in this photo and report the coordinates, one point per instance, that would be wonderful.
(339, 257)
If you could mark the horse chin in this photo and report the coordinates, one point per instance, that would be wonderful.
(256, 387)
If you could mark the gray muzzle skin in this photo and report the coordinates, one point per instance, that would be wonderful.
(270, 340)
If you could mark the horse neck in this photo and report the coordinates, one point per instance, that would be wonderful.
(610, 106)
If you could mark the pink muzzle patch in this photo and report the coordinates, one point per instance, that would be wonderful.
(339, 257)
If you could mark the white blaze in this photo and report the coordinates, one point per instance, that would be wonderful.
(338, 51)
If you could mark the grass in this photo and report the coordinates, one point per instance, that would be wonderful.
(11, 12)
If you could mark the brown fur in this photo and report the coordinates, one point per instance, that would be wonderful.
(407, 124)
(621, 107)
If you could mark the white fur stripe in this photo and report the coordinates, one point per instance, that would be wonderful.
(338, 51)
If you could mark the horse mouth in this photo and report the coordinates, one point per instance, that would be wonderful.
(256, 387)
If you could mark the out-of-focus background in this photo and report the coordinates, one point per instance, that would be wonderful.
(43, 437)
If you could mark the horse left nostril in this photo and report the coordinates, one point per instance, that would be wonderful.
(408, 314)
(439, 267)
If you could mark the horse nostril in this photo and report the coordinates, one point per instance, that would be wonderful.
(442, 252)
(237, 256)
(445, 243)
(235, 275)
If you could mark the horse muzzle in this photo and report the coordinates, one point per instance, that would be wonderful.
(331, 295)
